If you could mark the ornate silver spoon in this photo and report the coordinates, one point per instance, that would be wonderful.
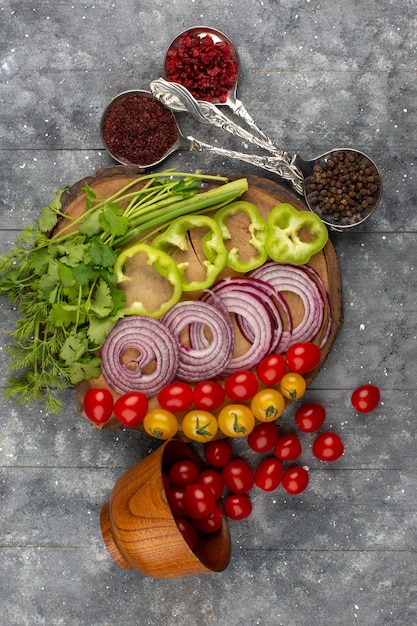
(342, 186)
(178, 99)
(307, 177)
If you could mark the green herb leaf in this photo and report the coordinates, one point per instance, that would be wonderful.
(49, 214)
(63, 315)
(84, 274)
(65, 274)
(72, 253)
(74, 348)
(102, 303)
(90, 196)
(48, 219)
(84, 370)
(100, 254)
(98, 329)
(112, 220)
(90, 224)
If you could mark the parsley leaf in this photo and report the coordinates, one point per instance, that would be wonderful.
(113, 221)
(98, 329)
(102, 303)
(100, 254)
(73, 349)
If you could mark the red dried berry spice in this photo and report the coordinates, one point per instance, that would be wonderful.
(139, 130)
(205, 67)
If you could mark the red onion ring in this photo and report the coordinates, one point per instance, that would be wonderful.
(204, 359)
(327, 307)
(299, 280)
(277, 305)
(259, 318)
(153, 341)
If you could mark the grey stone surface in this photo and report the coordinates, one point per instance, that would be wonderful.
(315, 75)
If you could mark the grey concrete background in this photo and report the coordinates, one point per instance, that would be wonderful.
(315, 75)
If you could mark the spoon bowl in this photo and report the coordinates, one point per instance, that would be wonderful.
(123, 129)
(231, 100)
(343, 186)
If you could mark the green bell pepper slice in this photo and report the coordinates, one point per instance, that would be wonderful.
(283, 242)
(163, 264)
(212, 245)
(257, 229)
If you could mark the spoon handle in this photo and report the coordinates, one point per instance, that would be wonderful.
(178, 98)
(239, 109)
(275, 164)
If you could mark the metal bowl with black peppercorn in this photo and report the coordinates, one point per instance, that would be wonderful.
(344, 188)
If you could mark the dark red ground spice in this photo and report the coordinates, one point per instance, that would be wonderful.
(206, 68)
(139, 129)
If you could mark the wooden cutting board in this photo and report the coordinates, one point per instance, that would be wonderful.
(265, 194)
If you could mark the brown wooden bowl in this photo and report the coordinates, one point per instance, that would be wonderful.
(139, 529)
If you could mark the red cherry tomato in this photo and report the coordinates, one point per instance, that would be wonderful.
(303, 357)
(238, 476)
(241, 386)
(198, 501)
(268, 474)
(366, 398)
(218, 452)
(98, 405)
(183, 473)
(176, 397)
(176, 501)
(237, 506)
(212, 522)
(271, 369)
(131, 408)
(288, 447)
(188, 531)
(263, 437)
(310, 417)
(213, 480)
(208, 395)
(295, 480)
(328, 447)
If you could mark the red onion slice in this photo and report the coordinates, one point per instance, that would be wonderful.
(277, 306)
(204, 358)
(327, 307)
(299, 280)
(259, 318)
(154, 342)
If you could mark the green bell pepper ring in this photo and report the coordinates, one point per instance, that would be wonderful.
(283, 241)
(257, 229)
(163, 264)
(213, 247)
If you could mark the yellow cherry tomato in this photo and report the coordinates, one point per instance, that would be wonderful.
(267, 405)
(160, 423)
(236, 420)
(199, 425)
(293, 386)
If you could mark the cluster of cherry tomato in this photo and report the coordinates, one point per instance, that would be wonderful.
(245, 403)
(193, 496)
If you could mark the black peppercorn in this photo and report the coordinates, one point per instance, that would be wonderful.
(345, 179)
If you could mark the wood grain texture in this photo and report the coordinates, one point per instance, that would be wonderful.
(152, 289)
(140, 531)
